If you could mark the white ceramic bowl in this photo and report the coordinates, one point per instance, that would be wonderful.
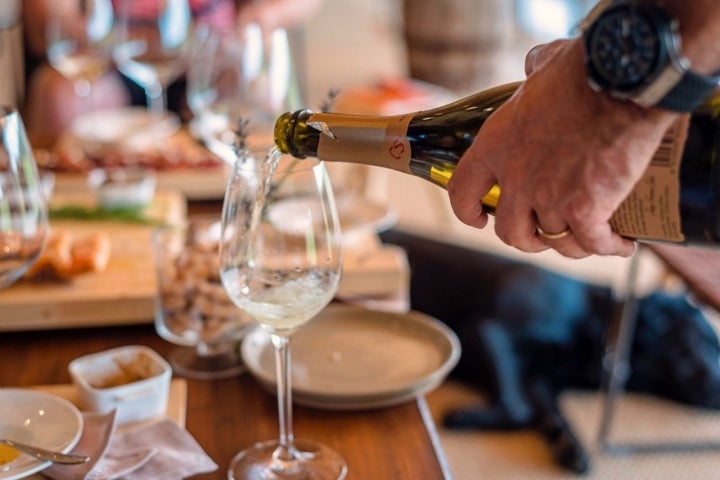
(122, 187)
(135, 380)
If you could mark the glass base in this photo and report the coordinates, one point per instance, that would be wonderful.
(189, 363)
(311, 461)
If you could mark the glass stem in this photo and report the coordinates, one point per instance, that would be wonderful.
(284, 395)
(156, 99)
(83, 90)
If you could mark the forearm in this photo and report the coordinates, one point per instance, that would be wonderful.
(699, 22)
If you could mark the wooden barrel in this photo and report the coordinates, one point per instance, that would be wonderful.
(455, 43)
(12, 72)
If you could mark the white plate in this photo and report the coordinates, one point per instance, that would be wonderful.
(291, 216)
(364, 214)
(353, 358)
(40, 419)
(134, 128)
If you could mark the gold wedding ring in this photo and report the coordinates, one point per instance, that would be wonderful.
(552, 236)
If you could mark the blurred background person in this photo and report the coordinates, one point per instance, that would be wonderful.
(52, 102)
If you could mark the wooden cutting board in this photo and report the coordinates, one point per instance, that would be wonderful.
(124, 293)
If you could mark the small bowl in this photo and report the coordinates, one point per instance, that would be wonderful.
(135, 380)
(122, 188)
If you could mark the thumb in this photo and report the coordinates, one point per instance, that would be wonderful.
(541, 54)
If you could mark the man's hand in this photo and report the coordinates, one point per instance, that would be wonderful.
(564, 156)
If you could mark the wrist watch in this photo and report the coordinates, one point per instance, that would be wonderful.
(632, 52)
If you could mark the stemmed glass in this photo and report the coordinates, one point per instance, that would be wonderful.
(23, 208)
(153, 40)
(79, 42)
(280, 261)
(245, 73)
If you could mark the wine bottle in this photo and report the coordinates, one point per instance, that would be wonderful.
(677, 200)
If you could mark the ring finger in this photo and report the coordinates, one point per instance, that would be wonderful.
(552, 236)
(549, 226)
(558, 235)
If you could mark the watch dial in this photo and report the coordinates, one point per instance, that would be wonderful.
(626, 49)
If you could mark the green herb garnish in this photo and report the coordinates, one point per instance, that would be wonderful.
(76, 212)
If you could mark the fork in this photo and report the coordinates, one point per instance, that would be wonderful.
(47, 455)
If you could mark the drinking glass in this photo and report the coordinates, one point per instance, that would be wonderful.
(245, 73)
(280, 262)
(79, 42)
(192, 309)
(153, 40)
(23, 208)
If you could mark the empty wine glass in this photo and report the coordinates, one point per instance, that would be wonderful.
(79, 40)
(153, 40)
(245, 73)
(280, 262)
(192, 308)
(23, 209)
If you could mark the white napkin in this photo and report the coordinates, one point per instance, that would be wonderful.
(158, 450)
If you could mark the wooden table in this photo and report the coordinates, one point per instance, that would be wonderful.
(226, 416)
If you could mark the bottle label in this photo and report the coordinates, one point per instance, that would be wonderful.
(379, 141)
(652, 210)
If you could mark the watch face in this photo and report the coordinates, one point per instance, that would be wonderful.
(625, 49)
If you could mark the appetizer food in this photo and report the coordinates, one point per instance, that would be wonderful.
(181, 151)
(65, 256)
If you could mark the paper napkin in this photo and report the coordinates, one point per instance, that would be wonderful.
(158, 450)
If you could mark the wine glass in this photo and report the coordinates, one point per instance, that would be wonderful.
(280, 261)
(23, 208)
(192, 309)
(79, 42)
(153, 40)
(245, 73)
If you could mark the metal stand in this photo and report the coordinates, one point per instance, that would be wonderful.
(617, 371)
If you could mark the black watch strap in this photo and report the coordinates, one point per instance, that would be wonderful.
(690, 92)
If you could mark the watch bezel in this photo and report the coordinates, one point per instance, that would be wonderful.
(670, 65)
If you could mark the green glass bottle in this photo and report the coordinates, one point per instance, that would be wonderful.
(677, 200)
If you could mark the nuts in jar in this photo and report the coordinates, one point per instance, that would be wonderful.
(192, 306)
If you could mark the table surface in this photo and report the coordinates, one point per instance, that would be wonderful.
(226, 416)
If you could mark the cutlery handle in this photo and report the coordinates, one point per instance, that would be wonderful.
(47, 455)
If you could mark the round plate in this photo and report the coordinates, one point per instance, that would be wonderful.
(134, 128)
(39, 419)
(350, 358)
(366, 215)
(291, 216)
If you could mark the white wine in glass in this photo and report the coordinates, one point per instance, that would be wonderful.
(153, 41)
(280, 262)
(79, 41)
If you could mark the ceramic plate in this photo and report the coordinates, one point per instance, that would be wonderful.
(40, 419)
(134, 128)
(291, 216)
(366, 215)
(353, 358)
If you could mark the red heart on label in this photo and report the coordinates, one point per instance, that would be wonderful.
(397, 149)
